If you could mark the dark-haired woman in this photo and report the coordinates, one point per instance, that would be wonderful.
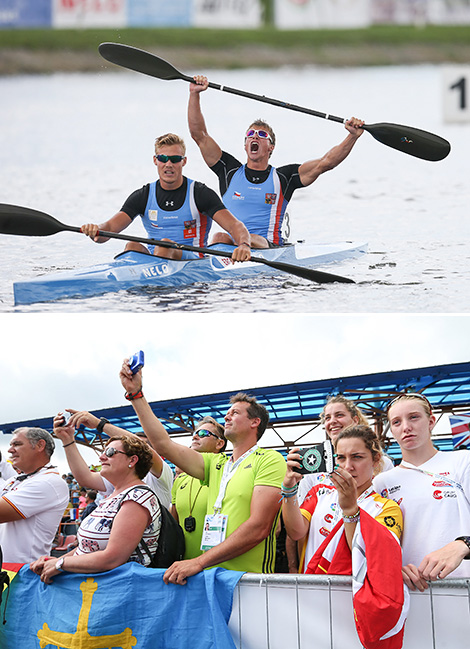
(111, 534)
(330, 506)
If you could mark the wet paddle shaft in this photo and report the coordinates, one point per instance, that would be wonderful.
(407, 139)
(25, 221)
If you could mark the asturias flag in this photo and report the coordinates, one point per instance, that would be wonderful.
(129, 607)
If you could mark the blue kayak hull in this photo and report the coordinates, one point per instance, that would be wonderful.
(134, 269)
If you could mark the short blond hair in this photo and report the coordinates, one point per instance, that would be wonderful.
(169, 139)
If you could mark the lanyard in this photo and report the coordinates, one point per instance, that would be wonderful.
(437, 476)
(229, 471)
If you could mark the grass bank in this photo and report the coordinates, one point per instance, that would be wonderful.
(38, 50)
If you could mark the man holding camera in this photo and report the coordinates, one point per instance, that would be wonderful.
(33, 501)
(243, 497)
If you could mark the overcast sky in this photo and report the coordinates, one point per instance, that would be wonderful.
(53, 361)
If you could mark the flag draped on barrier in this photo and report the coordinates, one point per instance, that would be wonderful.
(129, 607)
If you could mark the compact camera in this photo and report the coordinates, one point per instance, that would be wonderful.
(318, 458)
(136, 362)
(66, 415)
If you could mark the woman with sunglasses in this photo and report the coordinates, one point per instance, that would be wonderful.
(174, 208)
(255, 192)
(432, 487)
(189, 497)
(111, 534)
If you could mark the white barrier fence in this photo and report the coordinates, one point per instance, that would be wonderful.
(306, 611)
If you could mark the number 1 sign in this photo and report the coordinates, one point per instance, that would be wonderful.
(456, 93)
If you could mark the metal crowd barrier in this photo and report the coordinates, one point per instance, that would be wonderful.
(285, 611)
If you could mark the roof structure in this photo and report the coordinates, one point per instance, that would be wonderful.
(298, 404)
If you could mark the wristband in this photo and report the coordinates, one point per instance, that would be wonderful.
(69, 444)
(245, 244)
(466, 540)
(130, 396)
(352, 519)
(102, 423)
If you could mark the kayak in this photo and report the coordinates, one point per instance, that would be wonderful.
(130, 270)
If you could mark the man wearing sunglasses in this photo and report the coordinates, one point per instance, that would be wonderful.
(244, 489)
(174, 208)
(255, 192)
(188, 495)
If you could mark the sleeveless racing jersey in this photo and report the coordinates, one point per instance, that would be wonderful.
(261, 207)
(184, 225)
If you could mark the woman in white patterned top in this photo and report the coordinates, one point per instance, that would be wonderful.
(111, 534)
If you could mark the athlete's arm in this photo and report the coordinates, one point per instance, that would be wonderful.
(237, 231)
(117, 223)
(209, 148)
(309, 171)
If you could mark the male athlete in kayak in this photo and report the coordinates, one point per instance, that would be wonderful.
(175, 208)
(255, 192)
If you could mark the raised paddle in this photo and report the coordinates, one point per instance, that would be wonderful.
(25, 221)
(406, 139)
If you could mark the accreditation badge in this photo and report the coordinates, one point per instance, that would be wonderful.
(215, 528)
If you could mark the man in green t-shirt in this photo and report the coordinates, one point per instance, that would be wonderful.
(244, 490)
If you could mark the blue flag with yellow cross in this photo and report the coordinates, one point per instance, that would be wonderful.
(129, 607)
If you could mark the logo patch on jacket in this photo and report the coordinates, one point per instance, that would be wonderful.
(270, 199)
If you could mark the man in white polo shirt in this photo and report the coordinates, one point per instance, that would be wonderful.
(33, 501)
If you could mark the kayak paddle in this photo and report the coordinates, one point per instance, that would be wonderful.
(407, 139)
(25, 221)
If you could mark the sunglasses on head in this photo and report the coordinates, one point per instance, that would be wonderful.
(414, 395)
(109, 451)
(161, 157)
(264, 135)
(205, 433)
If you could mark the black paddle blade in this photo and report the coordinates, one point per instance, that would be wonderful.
(28, 222)
(311, 274)
(139, 61)
(410, 140)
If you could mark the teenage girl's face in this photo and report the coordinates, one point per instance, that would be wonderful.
(354, 457)
(336, 418)
(410, 425)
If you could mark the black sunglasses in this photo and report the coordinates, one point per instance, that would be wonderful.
(109, 451)
(205, 433)
(161, 157)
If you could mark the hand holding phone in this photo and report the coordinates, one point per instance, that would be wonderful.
(136, 362)
(316, 459)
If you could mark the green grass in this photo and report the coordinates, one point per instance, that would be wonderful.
(88, 39)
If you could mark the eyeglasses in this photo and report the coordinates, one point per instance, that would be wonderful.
(264, 135)
(413, 395)
(205, 433)
(109, 451)
(161, 157)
